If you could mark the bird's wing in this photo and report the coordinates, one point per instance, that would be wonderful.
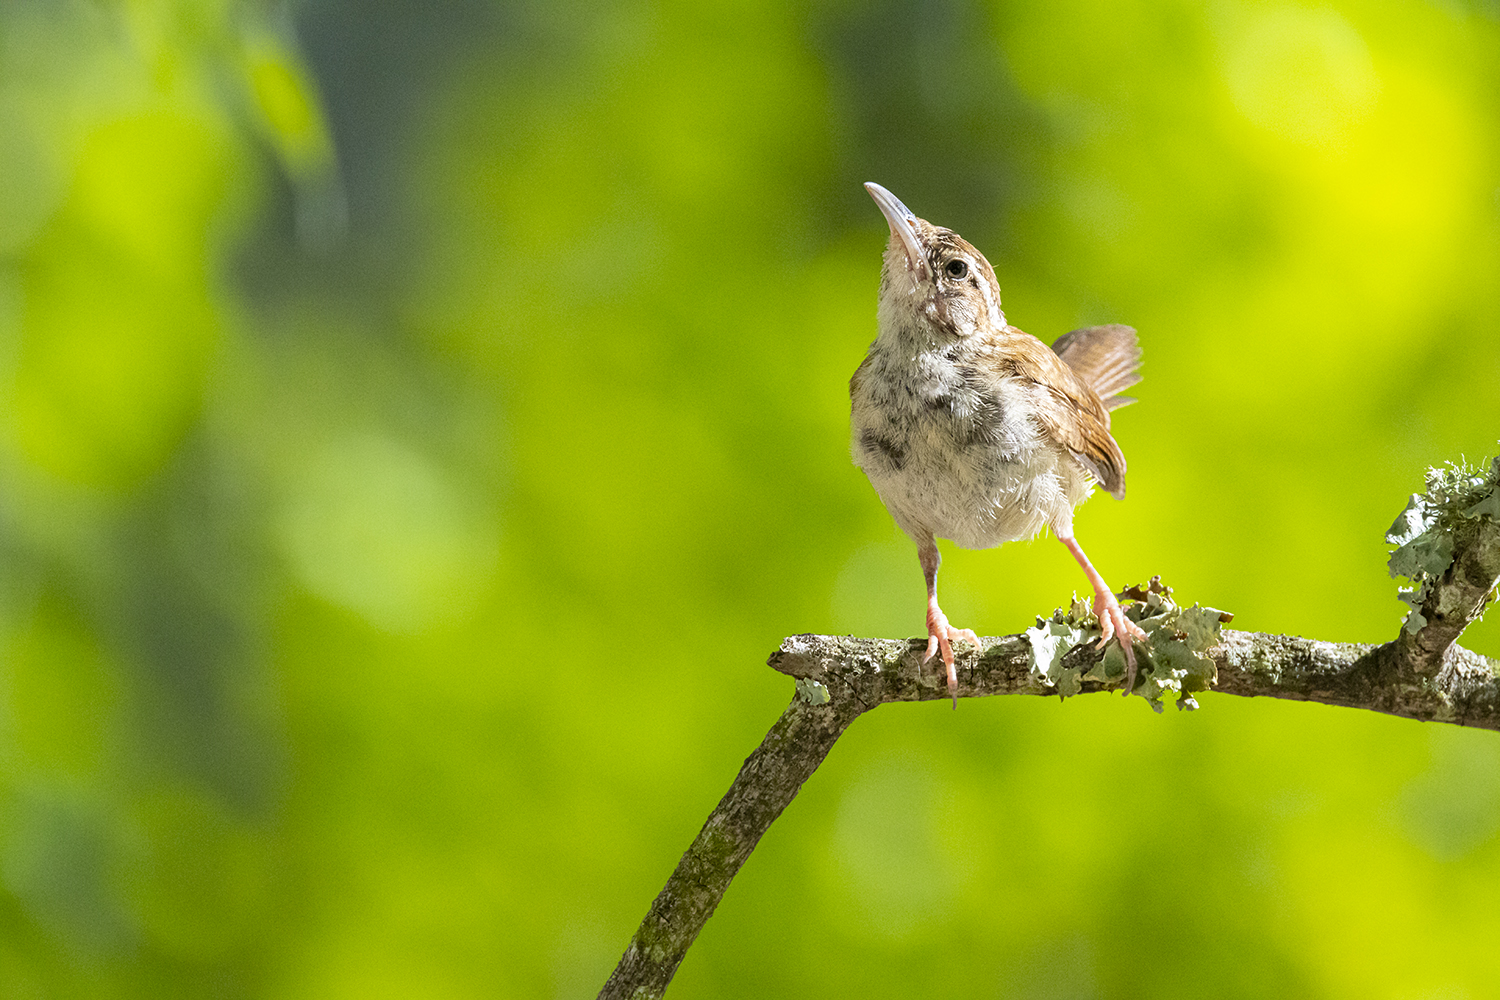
(1068, 408)
(1106, 357)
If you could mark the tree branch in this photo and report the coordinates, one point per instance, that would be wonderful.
(769, 780)
(1449, 547)
(1463, 690)
(842, 677)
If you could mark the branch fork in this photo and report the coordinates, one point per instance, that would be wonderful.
(1448, 546)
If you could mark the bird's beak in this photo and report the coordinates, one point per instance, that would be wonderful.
(901, 220)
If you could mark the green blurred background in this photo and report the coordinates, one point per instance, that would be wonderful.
(422, 419)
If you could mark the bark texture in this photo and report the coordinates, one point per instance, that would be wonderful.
(1458, 595)
(769, 780)
(1456, 686)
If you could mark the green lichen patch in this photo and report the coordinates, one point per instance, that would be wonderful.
(1423, 532)
(1174, 659)
(812, 692)
(1050, 641)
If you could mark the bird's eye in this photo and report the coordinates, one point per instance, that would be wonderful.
(956, 269)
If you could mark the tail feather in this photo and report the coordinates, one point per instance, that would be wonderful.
(1106, 357)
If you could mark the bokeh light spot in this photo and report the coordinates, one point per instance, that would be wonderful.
(376, 527)
(886, 845)
(1303, 74)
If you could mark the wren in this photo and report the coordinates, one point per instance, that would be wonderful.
(975, 431)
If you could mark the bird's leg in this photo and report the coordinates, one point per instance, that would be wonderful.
(1112, 620)
(940, 635)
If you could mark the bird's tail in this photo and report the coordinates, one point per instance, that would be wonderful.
(1106, 357)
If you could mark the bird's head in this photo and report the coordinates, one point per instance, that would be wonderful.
(933, 277)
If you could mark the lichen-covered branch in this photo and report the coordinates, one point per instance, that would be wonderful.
(1448, 546)
(841, 677)
(1448, 542)
(769, 780)
(1464, 690)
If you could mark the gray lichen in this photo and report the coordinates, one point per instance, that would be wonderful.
(1424, 531)
(1174, 659)
(811, 692)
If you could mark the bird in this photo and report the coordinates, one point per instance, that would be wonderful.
(973, 430)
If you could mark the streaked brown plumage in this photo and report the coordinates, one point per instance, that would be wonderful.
(973, 430)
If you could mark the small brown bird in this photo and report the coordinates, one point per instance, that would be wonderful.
(975, 431)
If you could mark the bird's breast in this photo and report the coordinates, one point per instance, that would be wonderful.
(938, 405)
(951, 453)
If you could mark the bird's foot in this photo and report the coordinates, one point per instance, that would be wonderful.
(940, 638)
(1114, 625)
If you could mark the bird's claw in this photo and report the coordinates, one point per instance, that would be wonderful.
(940, 638)
(1114, 625)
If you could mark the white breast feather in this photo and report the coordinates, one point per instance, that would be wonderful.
(979, 472)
